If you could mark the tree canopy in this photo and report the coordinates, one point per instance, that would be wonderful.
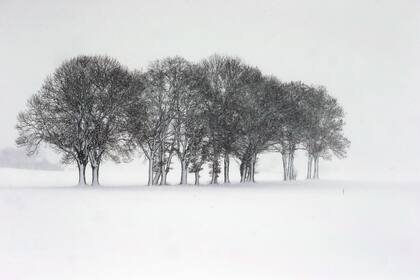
(93, 108)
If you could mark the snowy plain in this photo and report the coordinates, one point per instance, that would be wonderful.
(324, 229)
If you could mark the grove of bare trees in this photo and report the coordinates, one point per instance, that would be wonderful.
(92, 108)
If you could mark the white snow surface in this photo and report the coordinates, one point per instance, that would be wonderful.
(324, 229)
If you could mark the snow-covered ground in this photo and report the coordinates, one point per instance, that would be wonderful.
(271, 230)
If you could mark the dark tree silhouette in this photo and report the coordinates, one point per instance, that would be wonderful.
(264, 110)
(76, 111)
(92, 108)
(290, 131)
(227, 77)
(147, 121)
(112, 88)
(324, 134)
(189, 127)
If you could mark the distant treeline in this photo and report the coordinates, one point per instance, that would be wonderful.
(92, 108)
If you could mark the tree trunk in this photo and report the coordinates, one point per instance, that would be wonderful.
(157, 171)
(156, 178)
(214, 172)
(150, 178)
(162, 168)
(163, 178)
(254, 163)
(248, 172)
(291, 167)
(251, 177)
(242, 171)
(226, 164)
(165, 170)
(95, 161)
(197, 178)
(251, 170)
(316, 170)
(95, 174)
(309, 170)
(184, 172)
(285, 167)
(82, 173)
(213, 178)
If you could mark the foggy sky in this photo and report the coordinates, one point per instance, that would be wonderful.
(365, 52)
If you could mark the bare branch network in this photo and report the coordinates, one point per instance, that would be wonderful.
(92, 108)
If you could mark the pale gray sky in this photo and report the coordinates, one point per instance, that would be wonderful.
(365, 52)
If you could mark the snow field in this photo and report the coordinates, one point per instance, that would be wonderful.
(300, 230)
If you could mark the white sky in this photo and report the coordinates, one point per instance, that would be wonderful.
(365, 52)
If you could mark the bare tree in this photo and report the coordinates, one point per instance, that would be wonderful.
(92, 108)
(189, 128)
(166, 81)
(172, 80)
(290, 132)
(199, 154)
(227, 78)
(77, 111)
(263, 110)
(58, 115)
(146, 122)
(113, 88)
(324, 134)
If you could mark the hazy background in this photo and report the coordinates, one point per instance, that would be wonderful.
(365, 52)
